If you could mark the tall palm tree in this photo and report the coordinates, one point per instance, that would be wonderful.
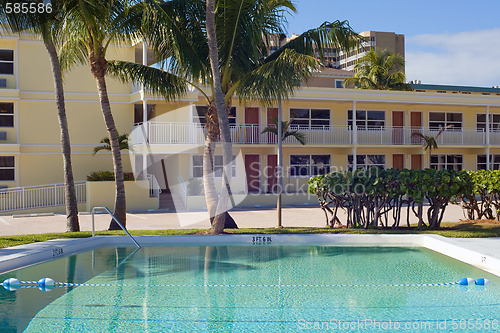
(47, 25)
(379, 70)
(91, 27)
(430, 142)
(177, 32)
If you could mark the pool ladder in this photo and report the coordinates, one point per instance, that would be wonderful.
(116, 220)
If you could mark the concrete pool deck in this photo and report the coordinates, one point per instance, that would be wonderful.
(253, 217)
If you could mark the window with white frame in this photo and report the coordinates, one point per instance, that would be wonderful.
(6, 62)
(366, 119)
(7, 168)
(439, 120)
(312, 118)
(338, 84)
(481, 122)
(450, 162)
(494, 162)
(6, 114)
(365, 161)
(201, 110)
(309, 165)
(218, 163)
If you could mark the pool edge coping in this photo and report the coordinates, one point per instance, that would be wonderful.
(29, 254)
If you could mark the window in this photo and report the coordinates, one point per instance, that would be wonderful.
(439, 120)
(367, 119)
(6, 62)
(201, 110)
(7, 168)
(450, 162)
(6, 114)
(338, 84)
(198, 166)
(366, 161)
(481, 122)
(309, 165)
(138, 108)
(310, 117)
(494, 162)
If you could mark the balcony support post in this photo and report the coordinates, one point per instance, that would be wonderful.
(354, 126)
(488, 166)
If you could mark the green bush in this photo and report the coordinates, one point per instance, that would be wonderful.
(101, 176)
(484, 201)
(368, 196)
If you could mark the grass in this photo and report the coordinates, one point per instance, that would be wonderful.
(463, 229)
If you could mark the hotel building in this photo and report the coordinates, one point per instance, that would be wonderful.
(344, 128)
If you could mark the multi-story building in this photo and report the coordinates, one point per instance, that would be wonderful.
(344, 128)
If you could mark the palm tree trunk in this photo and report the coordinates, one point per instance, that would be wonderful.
(72, 223)
(211, 196)
(120, 208)
(220, 217)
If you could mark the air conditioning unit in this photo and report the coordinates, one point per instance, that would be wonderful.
(3, 83)
(3, 135)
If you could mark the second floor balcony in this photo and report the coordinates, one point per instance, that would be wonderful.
(189, 133)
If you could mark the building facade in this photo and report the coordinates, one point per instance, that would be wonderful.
(344, 128)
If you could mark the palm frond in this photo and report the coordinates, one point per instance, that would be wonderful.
(157, 81)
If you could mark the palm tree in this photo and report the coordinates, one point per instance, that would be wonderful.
(429, 142)
(91, 26)
(379, 70)
(284, 133)
(48, 26)
(285, 125)
(178, 32)
(122, 142)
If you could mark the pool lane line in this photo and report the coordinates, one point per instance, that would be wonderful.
(68, 284)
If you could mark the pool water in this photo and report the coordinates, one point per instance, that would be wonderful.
(252, 289)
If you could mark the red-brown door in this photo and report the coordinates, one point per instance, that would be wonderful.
(397, 127)
(416, 161)
(398, 161)
(416, 126)
(272, 169)
(252, 169)
(271, 113)
(252, 125)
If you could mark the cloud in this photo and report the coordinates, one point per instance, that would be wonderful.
(466, 58)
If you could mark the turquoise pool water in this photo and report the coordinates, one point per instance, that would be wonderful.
(259, 288)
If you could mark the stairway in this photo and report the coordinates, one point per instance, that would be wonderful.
(171, 202)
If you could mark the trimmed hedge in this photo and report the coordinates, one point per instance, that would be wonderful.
(101, 176)
(369, 196)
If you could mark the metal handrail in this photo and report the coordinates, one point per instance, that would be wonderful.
(116, 220)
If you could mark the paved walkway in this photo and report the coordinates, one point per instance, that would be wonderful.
(245, 218)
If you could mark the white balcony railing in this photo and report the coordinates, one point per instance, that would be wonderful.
(20, 198)
(185, 133)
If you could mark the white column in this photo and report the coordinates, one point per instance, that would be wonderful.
(354, 127)
(488, 167)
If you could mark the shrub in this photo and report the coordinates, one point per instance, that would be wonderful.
(101, 176)
(370, 195)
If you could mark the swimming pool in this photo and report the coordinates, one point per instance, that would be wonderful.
(223, 288)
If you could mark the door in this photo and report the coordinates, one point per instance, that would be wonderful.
(397, 127)
(416, 161)
(416, 126)
(271, 113)
(271, 174)
(252, 125)
(252, 169)
(398, 161)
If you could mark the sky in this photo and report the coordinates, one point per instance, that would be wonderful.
(453, 42)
